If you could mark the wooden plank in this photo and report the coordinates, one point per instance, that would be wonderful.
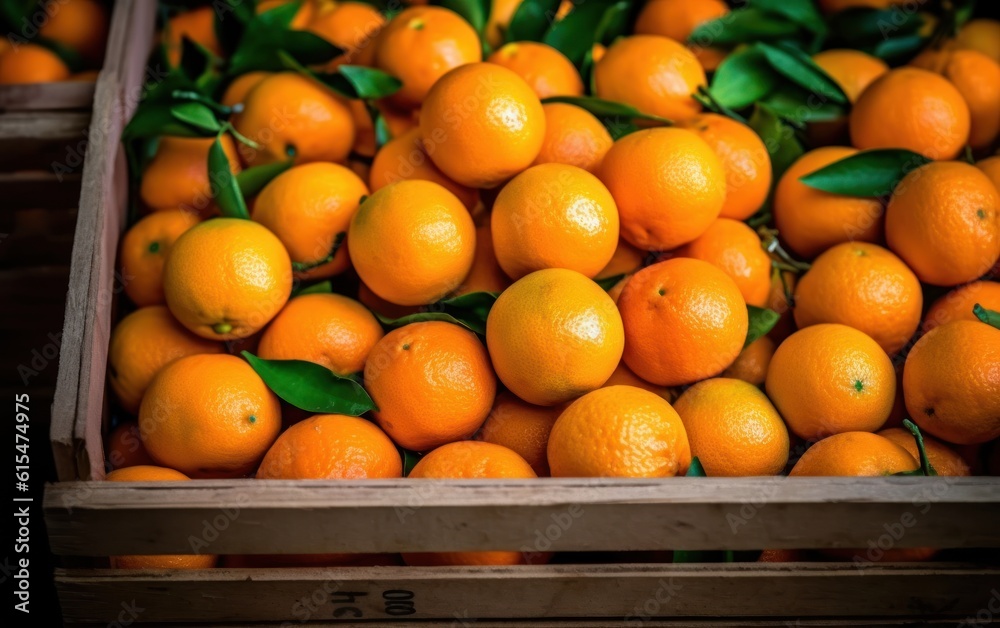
(31, 190)
(629, 593)
(37, 237)
(688, 622)
(293, 517)
(48, 141)
(47, 96)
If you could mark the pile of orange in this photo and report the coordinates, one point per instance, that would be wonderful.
(55, 41)
(469, 188)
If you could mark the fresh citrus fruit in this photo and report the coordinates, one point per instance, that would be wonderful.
(331, 447)
(623, 376)
(865, 287)
(656, 75)
(745, 161)
(677, 19)
(351, 26)
(619, 431)
(30, 63)
(287, 112)
(79, 24)
(544, 68)
(668, 184)
(144, 251)
(573, 136)
(733, 429)
(782, 281)
(521, 427)
(177, 176)
(237, 90)
(913, 109)
(829, 379)
(940, 198)
(144, 342)
(852, 70)
(977, 78)
(226, 278)
(626, 260)
(982, 35)
(309, 208)
(735, 249)
(554, 216)
(752, 363)
(854, 454)
(403, 158)
(125, 449)
(209, 416)
(957, 305)
(553, 336)
(382, 307)
(486, 274)
(810, 221)
(198, 25)
(419, 46)
(991, 168)
(684, 320)
(303, 14)
(145, 473)
(412, 242)
(432, 383)
(480, 137)
(951, 382)
(943, 458)
(328, 329)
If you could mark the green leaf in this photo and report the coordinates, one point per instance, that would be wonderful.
(252, 180)
(743, 26)
(383, 135)
(742, 78)
(609, 282)
(231, 19)
(227, 192)
(312, 387)
(614, 23)
(369, 83)
(320, 287)
(801, 12)
(474, 12)
(779, 138)
(308, 48)
(800, 106)
(606, 108)
(872, 173)
(338, 240)
(268, 35)
(153, 119)
(197, 116)
(531, 19)
(695, 469)
(899, 49)
(574, 34)
(865, 27)
(469, 310)
(761, 321)
(799, 68)
(989, 317)
(410, 460)
(196, 60)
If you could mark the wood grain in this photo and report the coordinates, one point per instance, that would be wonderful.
(47, 96)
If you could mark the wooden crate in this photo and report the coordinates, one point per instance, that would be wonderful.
(89, 518)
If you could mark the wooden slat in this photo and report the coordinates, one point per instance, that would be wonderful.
(45, 141)
(31, 190)
(37, 237)
(100, 519)
(630, 594)
(47, 96)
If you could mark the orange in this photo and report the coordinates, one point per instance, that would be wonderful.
(943, 458)
(913, 109)
(752, 363)
(149, 473)
(472, 460)
(778, 301)
(142, 344)
(554, 216)
(977, 78)
(684, 319)
(952, 198)
(544, 68)
(382, 307)
(745, 161)
(865, 287)
(669, 186)
(30, 63)
(226, 278)
(288, 112)
(302, 16)
(501, 12)
(144, 251)
(677, 19)
(412, 242)
(331, 447)
(852, 70)
(656, 75)
(481, 124)
(309, 208)
(79, 24)
(209, 416)
(982, 35)
(124, 447)
(854, 454)
(521, 427)
(991, 167)
(432, 383)
(486, 274)
(733, 429)
(198, 25)
(239, 87)
(619, 431)
(957, 305)
(623, 376)
(951, 382)
(829, 379)
(328, 329)
(810, 221)
(352, 27)
(735, 249)
(419, 46)
(626, 260)
(573, 136)
(553, 336)
(177, 176)
(403, 158)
